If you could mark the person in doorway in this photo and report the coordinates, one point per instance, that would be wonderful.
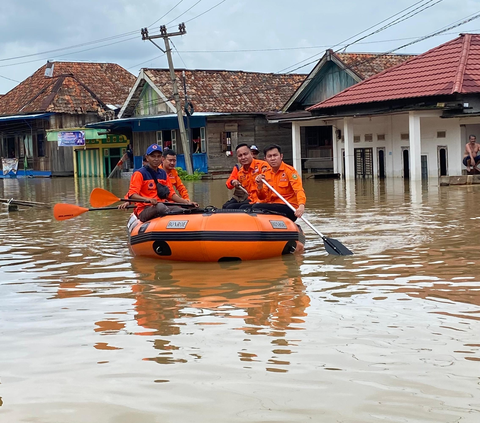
(471, 156)
(249, 169)
(285, 180)
(169, 164)
(152, 184)
(255, 151)
(196, 145)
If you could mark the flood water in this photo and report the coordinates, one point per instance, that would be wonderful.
(391, 334)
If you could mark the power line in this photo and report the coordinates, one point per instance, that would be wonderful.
(190, 8)
(206, 11)
(159, 19)
(175, 47)
(381, 29)
(10, 79)
(113, 37)
(466, 20)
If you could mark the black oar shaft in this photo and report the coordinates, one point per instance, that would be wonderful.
(332, 246)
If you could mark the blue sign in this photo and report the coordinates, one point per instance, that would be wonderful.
(71, 139)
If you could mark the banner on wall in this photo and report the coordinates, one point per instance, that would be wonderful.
(71, 139)
(9, 165)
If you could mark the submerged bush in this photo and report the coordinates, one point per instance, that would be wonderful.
(184, 176)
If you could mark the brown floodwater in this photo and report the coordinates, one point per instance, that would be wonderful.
(391, 334)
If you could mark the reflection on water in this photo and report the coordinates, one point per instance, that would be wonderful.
(389, 334)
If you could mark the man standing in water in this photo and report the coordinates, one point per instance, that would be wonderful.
(249, 169)
(471, 156)
(285, 180)
(151, 183)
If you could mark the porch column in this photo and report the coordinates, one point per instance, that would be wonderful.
(296, 148)
(349, 151)
(415, 155)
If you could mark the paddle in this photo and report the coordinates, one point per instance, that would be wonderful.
(22, 203)
(101, 198)
(62, 211)
(332, 246)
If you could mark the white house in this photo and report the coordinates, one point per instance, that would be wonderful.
(411, 120)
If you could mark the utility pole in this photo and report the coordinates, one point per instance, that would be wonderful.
(178, 105)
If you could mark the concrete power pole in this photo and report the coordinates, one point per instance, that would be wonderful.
(176, 97)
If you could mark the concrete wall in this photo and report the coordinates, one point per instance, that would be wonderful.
(435, 133)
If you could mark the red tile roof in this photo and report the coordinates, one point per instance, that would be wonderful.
(366, 65)
(230, 91)
(453, 67)
(74, 88)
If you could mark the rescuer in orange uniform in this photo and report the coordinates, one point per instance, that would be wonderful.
(249, 169)
(286, 180)
(169, 164)
(151, 183)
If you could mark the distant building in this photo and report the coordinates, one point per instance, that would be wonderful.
(334, 72)
(229, 107)
(58, 97)
(410, 121)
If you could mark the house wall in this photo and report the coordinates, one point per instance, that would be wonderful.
(250, 130)
(392, 127)
(330, 81)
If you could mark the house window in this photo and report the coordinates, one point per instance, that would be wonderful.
(226, 141)
(203, 140)
(368, 137)
(173, 139)
(41, 144)
(196, 146)
(318, 136)
(380, 137)
(356, 138)
(441, 134)
(164, 139)
(404, 137)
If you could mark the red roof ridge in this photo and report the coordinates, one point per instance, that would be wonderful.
(458, 83)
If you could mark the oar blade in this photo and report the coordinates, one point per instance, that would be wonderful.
(335, 247)
(63, 211)
(102, 198)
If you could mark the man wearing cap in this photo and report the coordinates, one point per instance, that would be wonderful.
(255, 151)
(152, 184)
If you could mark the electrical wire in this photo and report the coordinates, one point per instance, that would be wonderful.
(175, 47)
(125, 34)
(471, 18)
(394, 22)
(190, 8)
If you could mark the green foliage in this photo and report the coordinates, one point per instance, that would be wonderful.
(184, 176)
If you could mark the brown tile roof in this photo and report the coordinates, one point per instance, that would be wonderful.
(230, 91)
(360, 66)
(453, 67)
(366, 65)
(74, 88)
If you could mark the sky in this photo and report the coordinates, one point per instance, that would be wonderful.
(276, 36)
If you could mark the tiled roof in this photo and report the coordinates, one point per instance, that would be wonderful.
(230, 91)
(359, 65)
(74, 88)
(366, 65)
(453, 67)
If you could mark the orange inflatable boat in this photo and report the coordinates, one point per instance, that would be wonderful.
(215, 235)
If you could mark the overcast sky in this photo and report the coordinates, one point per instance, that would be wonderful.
(250, 35)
